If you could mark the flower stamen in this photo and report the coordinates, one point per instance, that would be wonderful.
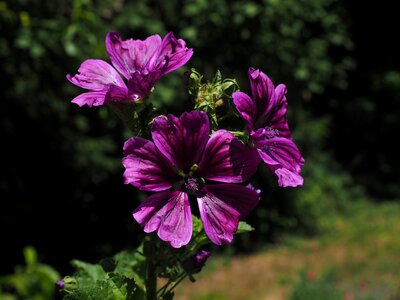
(192, 186)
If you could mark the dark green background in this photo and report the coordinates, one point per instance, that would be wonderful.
(61, 185)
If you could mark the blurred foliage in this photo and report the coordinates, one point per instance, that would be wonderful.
(81, 201)
(34, 281)
(322, 288)
(365, 116)
(368, 150)
(291, 40)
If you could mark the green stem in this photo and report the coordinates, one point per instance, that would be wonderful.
(184, 275)
(238, 133)
(126, 112)
(163, 291)
(151, 273)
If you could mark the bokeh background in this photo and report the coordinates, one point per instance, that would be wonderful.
(61, 185)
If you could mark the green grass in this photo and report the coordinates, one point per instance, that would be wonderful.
(357, 255)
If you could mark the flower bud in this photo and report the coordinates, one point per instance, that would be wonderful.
(60, 284)
(195, 263)
(219, 102)
(68, 283)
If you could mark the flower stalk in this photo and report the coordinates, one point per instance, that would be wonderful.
(126, 112)
(151, 269)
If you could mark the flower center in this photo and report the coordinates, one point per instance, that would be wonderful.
(191, 185)
(271, 132)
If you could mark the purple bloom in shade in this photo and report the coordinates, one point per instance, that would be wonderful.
(182, 154)
(142, 63)
(265, 116)
(200, 258)
(60, 284)
(195, 263)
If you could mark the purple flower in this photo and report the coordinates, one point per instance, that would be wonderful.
(195, 263)
(200, 258)
(183, 155)
(265, 116)
(142, 63)
(60, 284)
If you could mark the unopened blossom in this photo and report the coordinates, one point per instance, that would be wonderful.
(195, 263)
(265, 116)
(141, 63)
(60, 284)
(183, 156)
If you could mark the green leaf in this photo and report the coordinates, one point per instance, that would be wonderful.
(244, 227)
(96, 284)
(227, 84)
(217, 77)
(117, 278)
(197, 225)
(89, 271)
(132, 265)
(119, 286)
(199, 237)
(30, 256)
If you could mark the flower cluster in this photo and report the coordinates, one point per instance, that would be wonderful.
(185, 159)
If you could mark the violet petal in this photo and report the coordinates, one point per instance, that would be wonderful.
(280, 153)
(116, 93)
(145, 167)
(173, 53)
(96, 75)
(222, 206)
(91, 99)
(288, 178)
(262, 89)
(183, 139)
(278, 117)
(246, 107)
(226, 159)
(131, 55)
(141, 84)
(169, 214)
(274, 116)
